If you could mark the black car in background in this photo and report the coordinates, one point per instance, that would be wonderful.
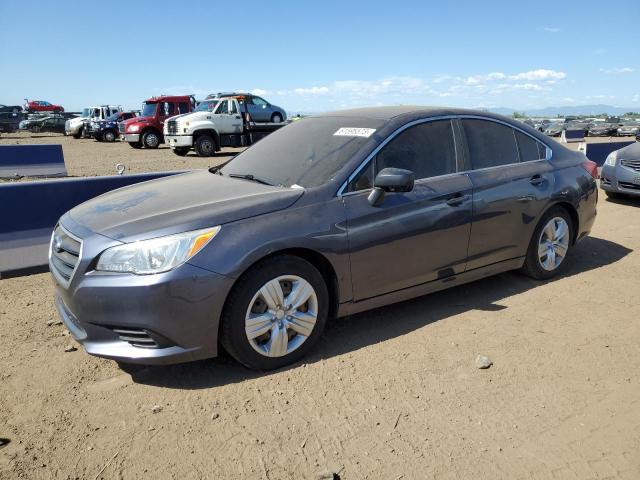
(107, 130)
(36, 123)
(10, 108)
(603, 130)
(9, 122)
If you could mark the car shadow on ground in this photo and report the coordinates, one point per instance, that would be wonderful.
(629, 201)
(358, 331)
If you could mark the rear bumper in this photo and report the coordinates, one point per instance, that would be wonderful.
(179, 140)
(130, 137)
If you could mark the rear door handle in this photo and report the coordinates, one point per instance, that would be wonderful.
(537, 180)
(457, 199)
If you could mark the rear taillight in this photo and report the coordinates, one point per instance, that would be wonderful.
(591, 167)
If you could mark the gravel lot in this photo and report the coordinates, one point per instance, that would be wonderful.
(393, 393)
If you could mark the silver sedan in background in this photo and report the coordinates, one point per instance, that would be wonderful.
(620, 174)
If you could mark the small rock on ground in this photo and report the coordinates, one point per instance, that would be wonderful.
(70, 348)
(156, 409)
(483, 362)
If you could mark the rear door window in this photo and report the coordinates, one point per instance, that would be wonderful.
(490, 144)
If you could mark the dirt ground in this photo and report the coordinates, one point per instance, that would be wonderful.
(388, 394)
(85, 157)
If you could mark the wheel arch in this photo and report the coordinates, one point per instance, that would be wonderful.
(207, 131)
(573, 213)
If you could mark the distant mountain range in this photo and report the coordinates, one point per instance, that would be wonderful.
(568, 110)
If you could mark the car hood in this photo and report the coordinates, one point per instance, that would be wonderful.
(630, 152)
(176, 204)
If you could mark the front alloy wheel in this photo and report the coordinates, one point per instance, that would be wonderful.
(281, 316)
(275, 313)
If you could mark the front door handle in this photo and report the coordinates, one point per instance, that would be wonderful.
(537, 180)
(456, 199)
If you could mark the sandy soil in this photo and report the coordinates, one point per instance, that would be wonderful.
(86, 157)
(393, 393)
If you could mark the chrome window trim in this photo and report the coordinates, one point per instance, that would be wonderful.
(548, 154)
(65, 283)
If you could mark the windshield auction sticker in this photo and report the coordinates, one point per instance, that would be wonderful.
(354, 132)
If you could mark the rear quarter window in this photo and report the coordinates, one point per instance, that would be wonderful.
(529, 148)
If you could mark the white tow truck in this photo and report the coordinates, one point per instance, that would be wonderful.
(215, 123)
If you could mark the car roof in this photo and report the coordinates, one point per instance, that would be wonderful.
(391, 112)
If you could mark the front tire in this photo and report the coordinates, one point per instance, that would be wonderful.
(275, 313)
(613, 195)
(551, 242)
(108, 136)
(181, 151)
(205, 146)
(78, 134)
(151, 139)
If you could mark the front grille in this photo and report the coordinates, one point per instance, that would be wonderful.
(64, 253)
(135, 337)
(172, 127)
(629, 186)
(121, 127)
(633, 164)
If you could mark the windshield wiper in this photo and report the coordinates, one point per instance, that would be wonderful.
(248, 176)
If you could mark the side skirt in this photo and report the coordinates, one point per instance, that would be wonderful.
(350, 308)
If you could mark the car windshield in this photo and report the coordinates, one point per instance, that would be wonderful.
(149, 109)
(308, 152)
(207, 106)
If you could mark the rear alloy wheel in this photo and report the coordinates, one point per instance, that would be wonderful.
(181, 151)
(550, 245)
(205, 146)
(151, 139)
(276, 118)
(108, 136)
(275, 313)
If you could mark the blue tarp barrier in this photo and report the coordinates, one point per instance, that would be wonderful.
(31, 210)
(569, 136)
(31, 161)
(598, 152)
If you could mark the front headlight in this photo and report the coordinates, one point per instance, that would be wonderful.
(156, 255)
(133, 128)
(611, 159)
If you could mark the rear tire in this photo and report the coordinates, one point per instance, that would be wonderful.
(205, 146)
(551, 242)
(276, 118)
(135, 145)
(181, 151)
(151, 139)
(246, 301)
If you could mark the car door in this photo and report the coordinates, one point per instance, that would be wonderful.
(512, 182)
(259, 109)
(414, 237)
(227, 118)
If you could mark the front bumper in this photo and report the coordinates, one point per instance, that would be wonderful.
(620, 179)
(179, 140)
(174, 316)
(130, 137)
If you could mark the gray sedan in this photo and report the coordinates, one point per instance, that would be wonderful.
(326, 217)
(620, 174)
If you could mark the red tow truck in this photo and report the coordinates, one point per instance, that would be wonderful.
(146, 130)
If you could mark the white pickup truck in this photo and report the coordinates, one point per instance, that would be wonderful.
(214, 124)
(76, 126)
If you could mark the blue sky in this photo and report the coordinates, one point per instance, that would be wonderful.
(315, 56)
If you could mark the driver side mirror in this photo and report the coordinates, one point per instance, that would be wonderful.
(390, 180)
